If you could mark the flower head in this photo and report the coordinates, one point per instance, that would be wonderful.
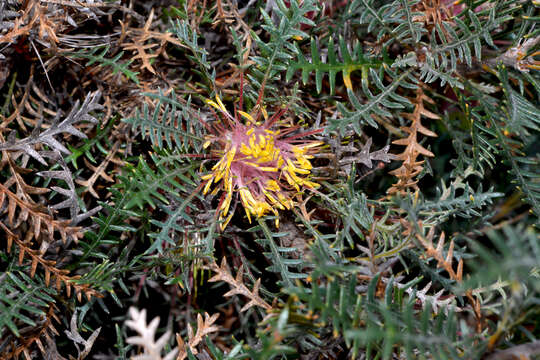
(262, 162)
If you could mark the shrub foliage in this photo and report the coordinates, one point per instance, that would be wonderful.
(380, 179)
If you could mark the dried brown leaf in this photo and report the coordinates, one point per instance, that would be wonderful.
(410, 166)
(238, 286)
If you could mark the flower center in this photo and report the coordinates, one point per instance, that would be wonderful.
(259, 150)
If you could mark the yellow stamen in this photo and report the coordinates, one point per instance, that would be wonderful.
(213, 104)
(272, 185)
(247, 214)
(313, 144)
(207, 186)
(245, 150)
(226, 204)
(226, 222)
(291, 181)
(230, 157)
(222, 107)
(219, 175)
(247, 116)
(266, 168)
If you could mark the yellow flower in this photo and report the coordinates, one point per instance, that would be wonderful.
(262, 162)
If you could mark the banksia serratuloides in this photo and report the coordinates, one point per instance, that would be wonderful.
(266, 162)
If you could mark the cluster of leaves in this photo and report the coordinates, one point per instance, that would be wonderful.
(422, 241)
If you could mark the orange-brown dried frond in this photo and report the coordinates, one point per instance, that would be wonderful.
(41, 222)
(36, 258)
(34, 16)
(143, 42)
(445, 262)
(238, 286)
(44, 330)
(29, 105)
(434, 12)
(228, 15)
(99, 171)
(196, 9)
(411, 164)
(204, 328)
